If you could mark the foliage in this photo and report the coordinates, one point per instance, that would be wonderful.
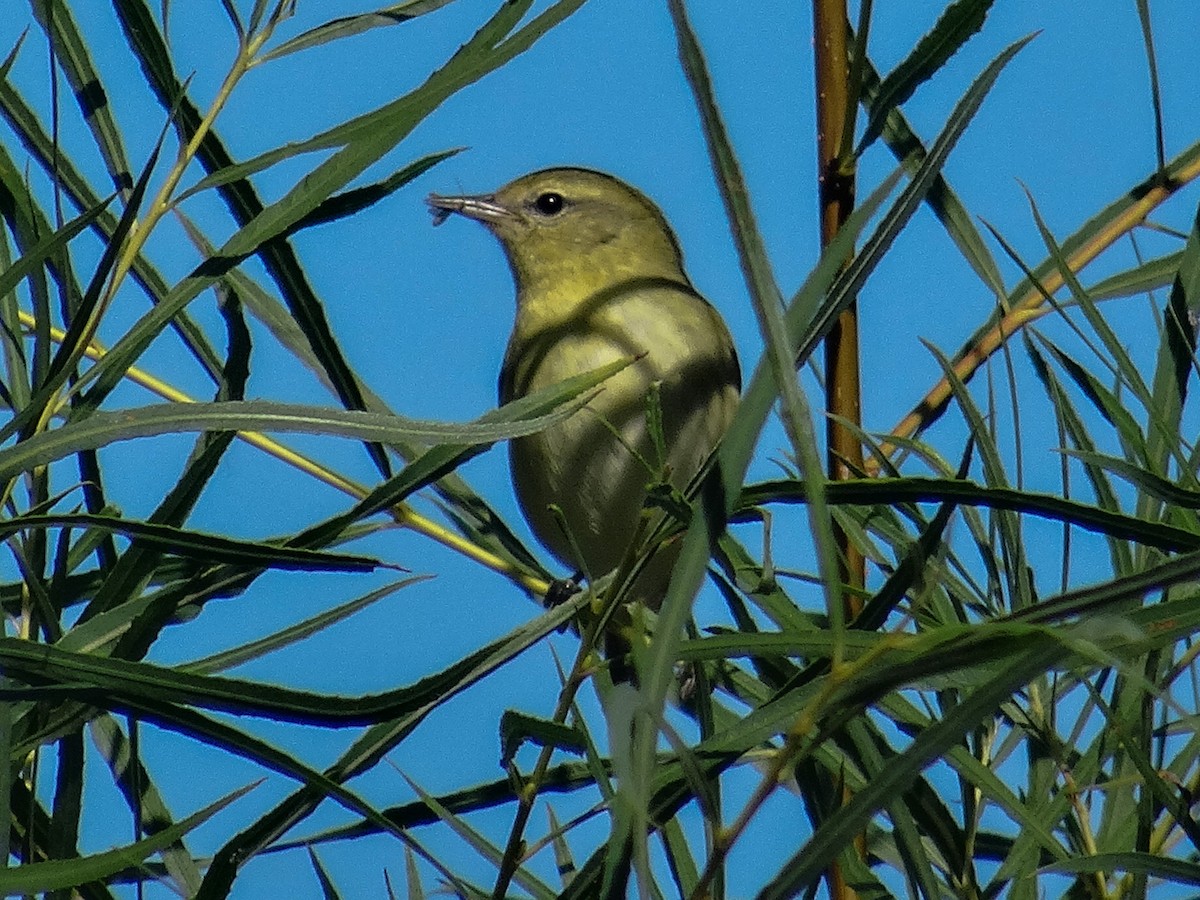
(1062, 723)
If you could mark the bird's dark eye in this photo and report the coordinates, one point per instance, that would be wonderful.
(550, 203)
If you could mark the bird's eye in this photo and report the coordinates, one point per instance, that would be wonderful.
(550, 203)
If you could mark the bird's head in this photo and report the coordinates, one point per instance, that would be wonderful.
(570, 226)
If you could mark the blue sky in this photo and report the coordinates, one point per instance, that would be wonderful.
(423, 314)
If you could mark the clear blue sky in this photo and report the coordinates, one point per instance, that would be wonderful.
(423, 314)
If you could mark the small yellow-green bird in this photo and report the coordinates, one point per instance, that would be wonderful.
(599, 277)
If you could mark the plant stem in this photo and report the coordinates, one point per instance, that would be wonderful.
(843, 376)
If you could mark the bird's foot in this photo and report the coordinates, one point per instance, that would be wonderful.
(560, 591)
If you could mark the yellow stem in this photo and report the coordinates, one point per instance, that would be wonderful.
(161, 204)
(1029, 306)
(402, 513)
(1083, 821)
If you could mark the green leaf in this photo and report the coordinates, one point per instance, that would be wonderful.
(381, 738)
(959, 22)
(47, 154)
(942, 200)
(102, 429)
(348, 26)
(480, 844)
(33, 878)
(285, 637)
(889, 491)
(1176, 359)
(516, 728)
(209, 547)
(72, 55)
(48, 247)
(1142, 278)
(1172, 871)
(328, 891)
(849, 281)
(104, 680)
(142, 797)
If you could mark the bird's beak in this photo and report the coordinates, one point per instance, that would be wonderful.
(481, 207)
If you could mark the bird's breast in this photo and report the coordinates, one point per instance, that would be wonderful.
(594, 467)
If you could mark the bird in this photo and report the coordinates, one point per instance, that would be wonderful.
(599, 277)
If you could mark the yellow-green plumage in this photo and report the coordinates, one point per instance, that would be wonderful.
(599, 277)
